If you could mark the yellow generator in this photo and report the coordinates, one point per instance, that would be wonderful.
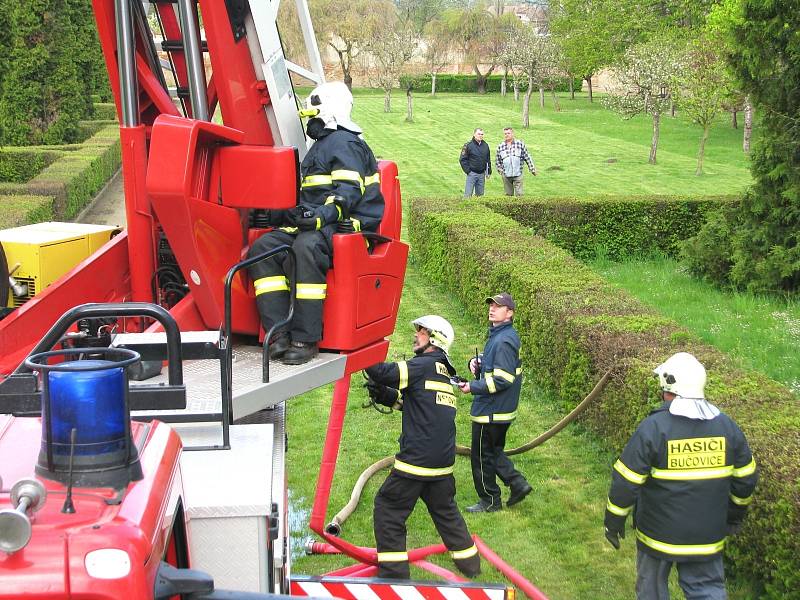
(38, 254)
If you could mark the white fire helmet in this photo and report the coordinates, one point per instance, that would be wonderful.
(332, 102)
(442, 333)
(683, 375)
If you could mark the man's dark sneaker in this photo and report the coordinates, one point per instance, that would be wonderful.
(518, 494)
(483, 507)
(279, 345)
(300, 353)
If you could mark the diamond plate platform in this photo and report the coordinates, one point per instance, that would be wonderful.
(250, 395)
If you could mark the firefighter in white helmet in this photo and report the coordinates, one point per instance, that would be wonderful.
(687, 475)
(423, 468)
(340, 193)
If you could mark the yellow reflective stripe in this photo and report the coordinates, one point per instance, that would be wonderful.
(462, 554)
(618, 510)
(504, 416)
(631, 476)
(312, 180)
(438, 386)
(504, 374)
(741, 501)
(356, 224)
(403, 367)
(490, 387)
(421, 471)
(289, 229)
(278, 283)
(370, 179)
(319, 223)
(480, 419)
(330, 200)
(312, 291)
(746, 470)
(392, 556)
(307, 112)
(692, 474)
(519, 370)
(345, 175)
(681, 550)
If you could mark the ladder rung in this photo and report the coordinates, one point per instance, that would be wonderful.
(172, 45)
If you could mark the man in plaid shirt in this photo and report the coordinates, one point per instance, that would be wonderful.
(509, 158)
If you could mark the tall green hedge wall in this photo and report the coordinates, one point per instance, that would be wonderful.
(613, 226)
(575, 326)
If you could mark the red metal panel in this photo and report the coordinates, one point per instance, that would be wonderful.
(241, 98)
(259, 176)
(103, 277)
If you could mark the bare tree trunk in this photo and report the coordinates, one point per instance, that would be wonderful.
(433, 84)
(387, 100)
(571, 88)
(526, 106)
(503, 83)
(672, 108)
(541, 97)
(588, 79)
(748, 124)
(734, 118)
(556, 104)
(654, 143)
(409, 106)
(516, 90)
(701, 153)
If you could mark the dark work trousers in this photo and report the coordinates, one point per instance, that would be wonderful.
(313, 252)
(489, 461)
(393, 505)
(704, 580)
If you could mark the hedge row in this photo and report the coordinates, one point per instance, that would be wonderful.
(20, 165)
(575, 326)
(68, 184)
(469, 83)
(616, 227)
(22, 210)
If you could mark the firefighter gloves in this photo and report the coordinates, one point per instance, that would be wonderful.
(613, 536)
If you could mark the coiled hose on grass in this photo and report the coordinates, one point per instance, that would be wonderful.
(335, 526)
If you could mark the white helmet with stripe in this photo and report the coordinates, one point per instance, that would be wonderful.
(442, 333)
(332, 102)
(683, 375)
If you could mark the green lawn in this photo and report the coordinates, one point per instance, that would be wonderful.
(555, 536)
(570, 148)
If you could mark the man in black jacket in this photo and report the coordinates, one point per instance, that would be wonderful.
(687, 475)
(340, 193)
(495, 398)
(476, 162)
(423, 468)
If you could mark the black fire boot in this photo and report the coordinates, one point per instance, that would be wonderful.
(518, 493)
(278, 345)
(300, 353)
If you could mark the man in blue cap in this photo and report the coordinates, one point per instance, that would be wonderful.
(495, 391)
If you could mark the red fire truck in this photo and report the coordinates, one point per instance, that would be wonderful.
(122, 477)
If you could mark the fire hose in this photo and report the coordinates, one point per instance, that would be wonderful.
(335, 526)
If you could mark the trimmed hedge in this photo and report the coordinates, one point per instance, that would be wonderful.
(575, 326)
(105, 111)
(23, 210)
(69, 183)
(616, 227)
(469, 83)
(18, 166)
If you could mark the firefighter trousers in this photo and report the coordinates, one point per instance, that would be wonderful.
(393, 505)
(703, 580)
(313, 252)
(489, 461)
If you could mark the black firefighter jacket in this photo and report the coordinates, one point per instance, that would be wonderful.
(686, 481)
(428, 440)
(341, 164)
(496, 392)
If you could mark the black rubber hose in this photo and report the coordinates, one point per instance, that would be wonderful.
(4, 285)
